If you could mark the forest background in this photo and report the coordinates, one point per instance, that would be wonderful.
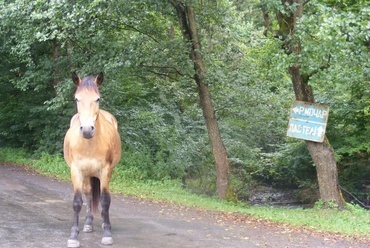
(150, 88)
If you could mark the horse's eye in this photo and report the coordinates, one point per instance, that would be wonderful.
(76, 99)
(97, 100)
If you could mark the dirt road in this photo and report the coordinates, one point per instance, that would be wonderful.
(36, 211)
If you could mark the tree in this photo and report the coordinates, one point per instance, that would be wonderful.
(288, 14)
(186, 16)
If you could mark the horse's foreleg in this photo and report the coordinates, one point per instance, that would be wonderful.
(88, 227)
(77, 205)
(105, 203)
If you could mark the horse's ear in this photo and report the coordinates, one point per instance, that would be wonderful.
(76, 79)
(99, 79)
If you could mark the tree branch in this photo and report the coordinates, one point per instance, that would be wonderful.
(172, 68)
(306, 77)
(127, 26)
(183, 20)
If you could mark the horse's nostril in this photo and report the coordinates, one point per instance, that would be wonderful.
(87, 128)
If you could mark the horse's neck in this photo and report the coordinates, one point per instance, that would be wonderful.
(98, 124)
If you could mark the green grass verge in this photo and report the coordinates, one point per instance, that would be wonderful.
(353, 221)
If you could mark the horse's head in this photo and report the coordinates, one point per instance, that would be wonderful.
(87, 99)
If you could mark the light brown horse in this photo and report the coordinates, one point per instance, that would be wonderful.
(92, 147)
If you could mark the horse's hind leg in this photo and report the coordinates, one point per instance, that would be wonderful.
(88, 227)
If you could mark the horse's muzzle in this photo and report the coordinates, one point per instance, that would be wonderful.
(87, 131)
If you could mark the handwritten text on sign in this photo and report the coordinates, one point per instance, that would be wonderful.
(308, 121)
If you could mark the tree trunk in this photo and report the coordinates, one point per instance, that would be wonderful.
(327, 173)
(56, 56)
(190, 33)
(321, 153)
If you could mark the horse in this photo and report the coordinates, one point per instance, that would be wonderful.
(92, 148)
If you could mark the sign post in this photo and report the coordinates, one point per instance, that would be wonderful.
(308, 121)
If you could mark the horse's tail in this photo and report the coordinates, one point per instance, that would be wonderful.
(95, 190)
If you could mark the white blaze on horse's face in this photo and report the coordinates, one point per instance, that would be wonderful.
(88, 109)
(87, 99)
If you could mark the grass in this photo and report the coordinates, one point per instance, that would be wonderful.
(354, 221)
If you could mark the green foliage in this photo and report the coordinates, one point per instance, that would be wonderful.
(294, 165)
(52, 165)
(332, 220)
(320, 204)
(290, 166)
(25, 122)
(14, 156)
(346, 4)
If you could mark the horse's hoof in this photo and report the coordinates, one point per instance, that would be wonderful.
(107, 241)
(88, 229)
(73, 243)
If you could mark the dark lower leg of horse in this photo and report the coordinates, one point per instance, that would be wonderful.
(105, 203)
(77, 205)
(88, 227)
